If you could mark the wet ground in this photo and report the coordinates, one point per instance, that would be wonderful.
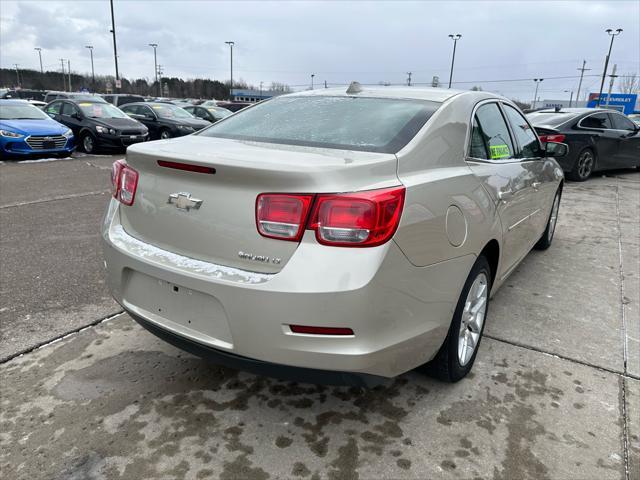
(555, 391)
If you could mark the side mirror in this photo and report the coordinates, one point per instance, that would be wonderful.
(76, 115)
(556, 149)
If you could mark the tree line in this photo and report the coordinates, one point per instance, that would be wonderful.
(172, 86)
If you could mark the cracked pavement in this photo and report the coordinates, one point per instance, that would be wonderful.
(554, 393)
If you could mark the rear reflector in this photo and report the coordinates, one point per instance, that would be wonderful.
(320, 330)
(552, 138)
(187, 167)
(124, 182)
(282, 216)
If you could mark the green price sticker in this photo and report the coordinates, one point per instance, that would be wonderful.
(499, 151)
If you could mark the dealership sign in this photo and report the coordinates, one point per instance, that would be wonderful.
(626, 103)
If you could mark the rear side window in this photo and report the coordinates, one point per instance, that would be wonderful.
(351, 123)
(622, 123)
(597, 120)
(490, 138)
(529, 146)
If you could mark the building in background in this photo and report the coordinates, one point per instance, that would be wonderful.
(252, 96)
(560, 103)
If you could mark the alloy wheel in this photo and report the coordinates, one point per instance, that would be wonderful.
(87, 143)
(165, 134)
(585, 164)
(473, 315)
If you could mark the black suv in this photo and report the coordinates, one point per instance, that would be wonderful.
(97, 124)
(164, 120)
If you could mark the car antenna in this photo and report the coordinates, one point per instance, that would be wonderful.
(355, 87)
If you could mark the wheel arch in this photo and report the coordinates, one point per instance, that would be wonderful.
(491, 252)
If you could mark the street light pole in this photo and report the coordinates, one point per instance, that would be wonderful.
(39, 50)
(155, 64)
(312, 75)
(17, 75)
(231, 44)
(69, 72)
(613, 35)
(64, 82)
(535, 95)
(455, 39)
(93, 73)
(115, 47)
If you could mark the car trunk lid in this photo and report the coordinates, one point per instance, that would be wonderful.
(211, 216)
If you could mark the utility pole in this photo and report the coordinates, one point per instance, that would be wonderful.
(115, 48)
(155, 63)
(261, 89)
(455, 39)
(69, 72)
(613, 35)
(312, 75)
(159, 74)
(17, 75)
(325, 84)
(582, 70)
(93, 73)
(535, 95)
(64, 82)
(231, 44)
(39, 50)
(613, 78)
(408, 79)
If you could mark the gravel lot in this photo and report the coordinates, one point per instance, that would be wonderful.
(555, 392)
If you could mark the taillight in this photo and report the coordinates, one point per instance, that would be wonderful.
(124, 182)
(359, 219)
(552, 138)
(282, 216)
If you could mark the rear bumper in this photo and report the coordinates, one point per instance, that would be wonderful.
(400, 314)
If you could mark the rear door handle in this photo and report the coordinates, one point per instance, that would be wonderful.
(505, 195)
(536, 185)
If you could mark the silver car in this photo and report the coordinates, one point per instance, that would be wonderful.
(330, 235)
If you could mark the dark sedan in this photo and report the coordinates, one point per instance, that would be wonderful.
(164, 120)
(598, 139)
(210, 114)
(97, 124)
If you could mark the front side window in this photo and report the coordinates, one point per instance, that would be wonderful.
(350, 123)
(529, 146)
(621, 122)
(597, 120)
(54, 108)
(67, 109)
(489, 130)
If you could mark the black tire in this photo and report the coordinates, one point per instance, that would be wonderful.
(165, 133)
(584, 165)
(547, 236)
(88, 143)
(446, 365)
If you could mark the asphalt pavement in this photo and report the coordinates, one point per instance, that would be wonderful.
(554, 394)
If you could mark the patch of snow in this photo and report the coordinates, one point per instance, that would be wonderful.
(144, 250)
(43, 160)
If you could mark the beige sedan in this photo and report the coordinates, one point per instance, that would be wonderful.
(334, 235)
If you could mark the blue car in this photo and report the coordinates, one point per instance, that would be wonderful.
(27, 131)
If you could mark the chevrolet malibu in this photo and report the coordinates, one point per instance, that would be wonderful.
(333, 236)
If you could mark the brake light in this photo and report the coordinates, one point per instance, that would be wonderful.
(552, 138)
(282, 216)
(361, 219)
(124, 182)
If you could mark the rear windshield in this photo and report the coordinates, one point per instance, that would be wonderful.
(552, 119)
(349, 123)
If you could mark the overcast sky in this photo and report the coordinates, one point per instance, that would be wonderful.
(338, 41)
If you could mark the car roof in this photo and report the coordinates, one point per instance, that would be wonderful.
(357, 90)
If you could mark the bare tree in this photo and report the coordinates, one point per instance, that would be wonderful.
(630, 83)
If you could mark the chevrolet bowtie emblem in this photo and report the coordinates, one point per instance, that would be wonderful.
(184, 201)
